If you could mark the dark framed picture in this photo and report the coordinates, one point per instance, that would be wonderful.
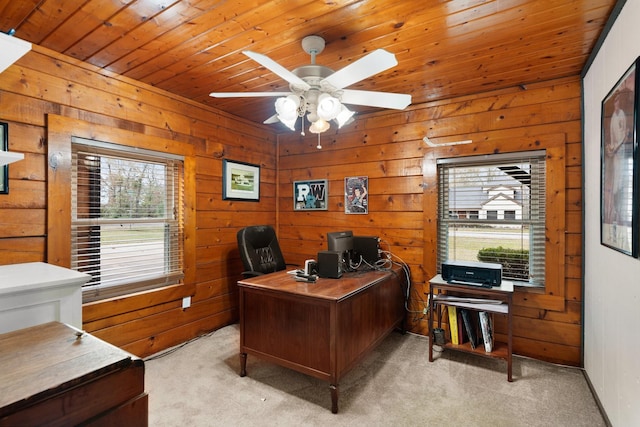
(310, 195)
(240, 181)
(356, 190)
(619, 165)
(4, 170)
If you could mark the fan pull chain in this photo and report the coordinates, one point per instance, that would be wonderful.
(319, 147)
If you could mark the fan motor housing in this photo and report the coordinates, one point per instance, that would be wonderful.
(313, 75)
(313, 71)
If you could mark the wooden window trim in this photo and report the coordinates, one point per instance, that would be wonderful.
(553, 296)
(60, 130)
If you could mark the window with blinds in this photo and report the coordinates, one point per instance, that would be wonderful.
(492, 209)
(127, 218)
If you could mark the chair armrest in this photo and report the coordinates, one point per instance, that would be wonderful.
(247, 274)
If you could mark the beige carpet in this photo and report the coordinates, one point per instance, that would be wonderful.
(396, 385)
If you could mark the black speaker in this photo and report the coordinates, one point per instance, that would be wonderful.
(330, 264)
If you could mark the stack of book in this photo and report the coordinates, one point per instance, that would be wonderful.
(470, 326)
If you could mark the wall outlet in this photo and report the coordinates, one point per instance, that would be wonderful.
(186, 302)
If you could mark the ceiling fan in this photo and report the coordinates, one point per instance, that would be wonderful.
(319, 93)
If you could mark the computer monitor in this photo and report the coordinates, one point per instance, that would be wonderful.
(366, 248)
(340, 241)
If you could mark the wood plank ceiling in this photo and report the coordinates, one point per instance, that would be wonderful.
(194, 47)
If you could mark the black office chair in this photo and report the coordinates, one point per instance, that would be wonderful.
(259, 250)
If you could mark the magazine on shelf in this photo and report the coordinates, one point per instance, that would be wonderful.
(487, 330)
(470, 324)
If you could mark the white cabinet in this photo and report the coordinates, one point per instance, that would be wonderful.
(36, 292)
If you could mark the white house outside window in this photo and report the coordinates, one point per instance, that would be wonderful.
(492, 209)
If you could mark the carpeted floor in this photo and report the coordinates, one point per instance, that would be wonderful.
(198, 384)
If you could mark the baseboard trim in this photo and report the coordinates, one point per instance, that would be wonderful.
(597, 398)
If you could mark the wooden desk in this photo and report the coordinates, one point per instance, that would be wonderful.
(504, 293)
(49, 376)
(321, 329)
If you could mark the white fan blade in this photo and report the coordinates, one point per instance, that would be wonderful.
(367, 66)
(398, 101)
(271, 120)
(246, 94)
(278, 69)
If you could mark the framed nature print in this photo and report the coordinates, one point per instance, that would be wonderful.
(356, 190)
(4, 170)
(310, 195)
(240, 181)
(619, 165)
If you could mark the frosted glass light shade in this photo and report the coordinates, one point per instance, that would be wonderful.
(344, 116)
(287, 109)
(328, 107)
(319, 126)
(12, 49)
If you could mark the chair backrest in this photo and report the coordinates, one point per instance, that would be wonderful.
(259, 249)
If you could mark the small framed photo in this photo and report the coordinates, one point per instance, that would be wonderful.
(240, 181)
(356, 190)
(4, 170)
(620, 179)
(310, 195)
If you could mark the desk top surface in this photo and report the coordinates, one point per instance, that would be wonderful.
(324, 288)
(49, 358)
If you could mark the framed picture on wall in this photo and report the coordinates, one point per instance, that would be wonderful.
(311, 195)
(619, 165)
(240, 181)
(4, 170)
(356, 190)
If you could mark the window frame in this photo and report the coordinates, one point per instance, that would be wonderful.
(452, 168)
(553, 296)
(60, 131)
(174, 167)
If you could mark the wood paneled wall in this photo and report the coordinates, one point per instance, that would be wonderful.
(44, 85)
(388, 148)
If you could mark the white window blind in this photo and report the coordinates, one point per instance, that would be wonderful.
(492, 209)
(127, 218)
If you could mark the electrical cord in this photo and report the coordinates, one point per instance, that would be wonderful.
(177, 347)
(386, 263)
(418, 315)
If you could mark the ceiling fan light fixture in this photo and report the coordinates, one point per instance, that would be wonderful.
(328, 107)
(344, 116)
(290, 123)
(287, 109)
(319, 126)
(312, 116)
(287, 106)
(318, 91)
